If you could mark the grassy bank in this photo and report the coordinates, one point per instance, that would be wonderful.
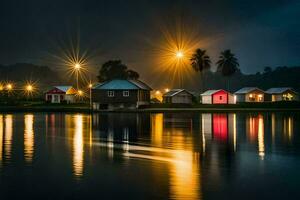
(84, 107)
(43, 107)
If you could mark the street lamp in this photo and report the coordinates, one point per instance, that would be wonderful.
(9, 86)
(179, 54)
(90, 89)
(77, 67)
(29, 88)
(80, 93)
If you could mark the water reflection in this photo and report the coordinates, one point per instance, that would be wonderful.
(8, 137)
(78, 146)
(28, 138)
(184, 170)
(1, 139)
(181, 153)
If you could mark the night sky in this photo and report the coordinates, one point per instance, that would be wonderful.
(260, 32)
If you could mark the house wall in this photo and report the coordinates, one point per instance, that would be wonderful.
(220, 97)
(135, 98)
(254, 96)
(207, 99)
(69, 98)
(240, 98)
(231, 99)
(182, 97)
(279, 97)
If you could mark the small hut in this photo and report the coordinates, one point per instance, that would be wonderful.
(281, 94)
(60, 94)
(217, 97)
(249, 94)
(178, 96)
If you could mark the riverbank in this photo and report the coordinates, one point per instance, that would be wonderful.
(85, 108)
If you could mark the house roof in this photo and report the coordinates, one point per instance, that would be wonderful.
(279, 90)
(246, 90)
(63, 88)
(118, 84)
(174, 92)
(211, 92)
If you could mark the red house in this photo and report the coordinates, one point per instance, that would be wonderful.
(59, 94)
(217, 97)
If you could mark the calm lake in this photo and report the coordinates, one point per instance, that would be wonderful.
(150, 156)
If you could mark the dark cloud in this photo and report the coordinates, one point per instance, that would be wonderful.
(260, 32)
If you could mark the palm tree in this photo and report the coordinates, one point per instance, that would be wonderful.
(200, 62)
(227, 64)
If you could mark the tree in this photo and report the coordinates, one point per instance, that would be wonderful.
(200, 62)
(115, 69)
(267, 70)
(227, 65)
(132, 74)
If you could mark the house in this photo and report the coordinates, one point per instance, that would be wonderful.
(120, 93)
(281, 94)
(217, 97)
(249, 94)
(180, 96)
(60, 94)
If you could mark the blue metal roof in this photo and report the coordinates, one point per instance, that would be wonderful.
(117, 85)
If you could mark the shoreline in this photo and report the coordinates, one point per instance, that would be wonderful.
(85, 109)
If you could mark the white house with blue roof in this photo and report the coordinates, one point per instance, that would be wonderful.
(119, 93)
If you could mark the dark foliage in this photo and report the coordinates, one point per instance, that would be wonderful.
(22, 72)
(228, 63)
(115, 69)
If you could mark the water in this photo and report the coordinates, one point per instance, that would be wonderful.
(150, 156)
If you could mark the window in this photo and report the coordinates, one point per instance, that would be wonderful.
(221, 97)
(110, 93)
(126, 93)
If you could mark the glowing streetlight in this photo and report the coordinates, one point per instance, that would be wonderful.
(90, 88)
(9, 86)
(167, 90)
(80, 92)
(29, 88)
(179, 54)
(77, 66)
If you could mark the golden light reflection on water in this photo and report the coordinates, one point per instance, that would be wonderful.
(183, 162)
(78, 146)
(261, 135)
(8, 136)
(157, 128)
(1, 138)
(28, 138)
(288, 127)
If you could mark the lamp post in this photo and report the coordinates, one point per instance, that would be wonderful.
(9, 88)
(90, 90)
(77, 68)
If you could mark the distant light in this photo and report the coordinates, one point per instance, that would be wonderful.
(90, 85)
(1, 87)
(9, 86)
(77, 66)
(179, 54)
(167, 90)
(80, 93)
(29, 88)
(157, 92)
